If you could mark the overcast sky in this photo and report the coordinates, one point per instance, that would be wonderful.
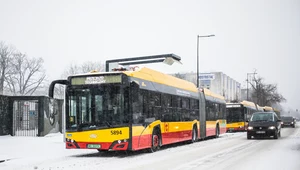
(261, 35)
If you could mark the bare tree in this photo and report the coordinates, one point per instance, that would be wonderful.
(27, 75)
(85, 67)
(92, 66)
(6, 54)
(73, 69)
(265, 94)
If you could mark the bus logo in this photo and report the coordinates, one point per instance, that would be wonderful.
(94, 136)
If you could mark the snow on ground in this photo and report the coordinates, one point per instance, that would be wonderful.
(231, 151)
(43, 152)
(19, 151)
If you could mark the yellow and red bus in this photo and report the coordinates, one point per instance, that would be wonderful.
(137, 109)
(237, 114)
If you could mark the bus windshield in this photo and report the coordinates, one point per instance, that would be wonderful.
(234, 115)
(95, 108)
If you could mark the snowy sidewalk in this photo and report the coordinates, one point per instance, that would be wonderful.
(20, 151)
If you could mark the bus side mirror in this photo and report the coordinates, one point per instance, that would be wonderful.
(52, 85)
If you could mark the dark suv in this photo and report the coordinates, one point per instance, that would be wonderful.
(264, 124)
(288, 121)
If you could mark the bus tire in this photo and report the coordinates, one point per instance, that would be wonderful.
(194, 134)
(155, 141)
(217, 131)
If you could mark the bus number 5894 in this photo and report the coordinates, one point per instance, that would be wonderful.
(116, 132)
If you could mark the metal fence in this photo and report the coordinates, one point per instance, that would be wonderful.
(30, 115)
(25, 117)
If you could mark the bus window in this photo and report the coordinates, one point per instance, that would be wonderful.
(98, 107)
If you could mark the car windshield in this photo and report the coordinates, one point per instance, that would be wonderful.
(256, 117)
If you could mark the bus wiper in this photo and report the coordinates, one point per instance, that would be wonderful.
(107, 123)
(93, 127)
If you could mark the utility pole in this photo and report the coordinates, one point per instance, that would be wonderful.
(200, 36)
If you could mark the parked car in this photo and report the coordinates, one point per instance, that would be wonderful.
(288, 121)
(264, 124)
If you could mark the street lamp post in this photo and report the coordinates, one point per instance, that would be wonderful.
(248, 82)
(200, 36)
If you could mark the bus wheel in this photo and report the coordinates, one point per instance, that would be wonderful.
(156, 141)
(194, 134)
(217, 131)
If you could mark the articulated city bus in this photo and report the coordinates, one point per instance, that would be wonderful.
(137, 109)
(237, 114)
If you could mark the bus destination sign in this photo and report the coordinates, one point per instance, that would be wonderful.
(95, 80)
(103, 79)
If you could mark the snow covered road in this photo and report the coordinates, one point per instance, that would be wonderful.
(230, 151)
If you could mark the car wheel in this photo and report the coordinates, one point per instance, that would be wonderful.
(248, 136)
(276, 135)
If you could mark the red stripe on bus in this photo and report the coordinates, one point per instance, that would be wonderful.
(144, 141)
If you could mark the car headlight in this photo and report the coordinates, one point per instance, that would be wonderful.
(250, 128)
(292, 122)
(272, 127)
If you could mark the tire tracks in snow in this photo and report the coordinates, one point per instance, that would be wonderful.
(210, 160)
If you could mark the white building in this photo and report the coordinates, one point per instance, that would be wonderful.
(219, 83)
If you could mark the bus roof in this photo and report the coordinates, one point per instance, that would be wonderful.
(248, 104)
(161, 78)
(260, 108)
(244, 103)
(211, 96)
(268, 108)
